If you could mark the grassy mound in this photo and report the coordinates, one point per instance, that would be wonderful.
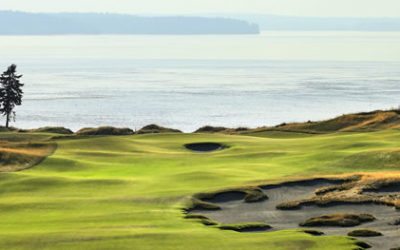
(255, 195)
(245, 227)
(197, 204)
(203, 219)
(290, 205)
(105, 131)
(249, 195)
(20, 156)
(364, 233)
(380, 189)
(52, 130)
(338, 220)
(359, 122)
(370, 121)
(211, 129)
(155, 129)
(11, 161)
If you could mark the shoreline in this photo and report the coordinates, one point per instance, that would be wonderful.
(363, 121)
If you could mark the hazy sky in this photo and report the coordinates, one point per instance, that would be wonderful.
(381, 8)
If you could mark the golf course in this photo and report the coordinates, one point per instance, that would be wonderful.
(95, 192)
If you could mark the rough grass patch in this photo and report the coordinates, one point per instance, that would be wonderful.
(245, 227)
(105, 131)
(51, 130)
(338, 220)
(210, 129)
(20, 156)
(197, 204)
(203, 219)
(155, 129)
(364, 233)
(290, 205)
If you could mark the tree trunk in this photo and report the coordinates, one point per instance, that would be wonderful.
(7, 120)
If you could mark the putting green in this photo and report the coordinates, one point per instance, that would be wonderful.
(126, 192)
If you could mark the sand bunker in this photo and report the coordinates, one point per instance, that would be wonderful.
(205, 147)
(316, 198)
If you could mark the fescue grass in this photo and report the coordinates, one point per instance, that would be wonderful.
(156, 129)
(128, 192)
(203, 219)
(105, 131)
(361, 122)
(338, 220)
(17, 155)
(54, 130)
(364, 233)
(245, 227)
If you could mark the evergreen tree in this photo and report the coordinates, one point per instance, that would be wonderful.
(10, 93)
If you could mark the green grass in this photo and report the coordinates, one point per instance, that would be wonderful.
(127, 192)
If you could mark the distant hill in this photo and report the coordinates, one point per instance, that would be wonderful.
(22, 23)
(293, 23)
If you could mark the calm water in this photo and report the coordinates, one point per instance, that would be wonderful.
(189, 81)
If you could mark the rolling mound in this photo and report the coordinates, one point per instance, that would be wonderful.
(211, 129)
(156, 129)
(20, 156)
(51, 130)
(105, 131)
(359, 122)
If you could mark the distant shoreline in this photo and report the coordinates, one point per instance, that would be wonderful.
(356, 122)
(25, 23)
(29, 23)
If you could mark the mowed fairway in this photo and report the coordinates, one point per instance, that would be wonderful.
(127, 192)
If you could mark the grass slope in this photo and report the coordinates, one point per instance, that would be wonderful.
(20, 154)
(360, 122)
(126, 192)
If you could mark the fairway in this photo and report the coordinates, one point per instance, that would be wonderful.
(128, 192)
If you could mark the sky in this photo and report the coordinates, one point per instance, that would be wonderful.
(333, 8)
